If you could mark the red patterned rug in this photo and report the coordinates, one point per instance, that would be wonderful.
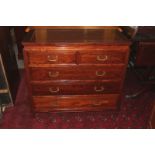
(134, 113)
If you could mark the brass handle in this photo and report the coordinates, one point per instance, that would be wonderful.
(52, 59)
(98, 73)
(51, 90)
(100, 103)
(99, 90)
(50, 74)
(101, 58)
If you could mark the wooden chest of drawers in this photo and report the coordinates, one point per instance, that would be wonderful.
(75, 70)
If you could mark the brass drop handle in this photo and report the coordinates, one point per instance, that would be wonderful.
(51, 59)
(100, 103)
(99, 73)
(51, 75)
(99, 89)
(102, 58)
(51, 90)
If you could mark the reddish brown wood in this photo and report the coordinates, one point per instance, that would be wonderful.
(103, 57)
(77, 72)
(52, 57)
(71, 47)
(76, 102)
(47, 36)
(82, 61)
(75, 87)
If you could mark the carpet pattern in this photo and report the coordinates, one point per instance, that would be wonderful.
(133, 114)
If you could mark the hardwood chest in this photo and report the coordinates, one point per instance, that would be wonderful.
(75, 69)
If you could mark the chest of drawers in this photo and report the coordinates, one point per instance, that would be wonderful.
(75, 70)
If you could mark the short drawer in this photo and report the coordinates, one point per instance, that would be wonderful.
(103, 57)
(77, 102)
(51, 57)
(75, 87)
(77, 73)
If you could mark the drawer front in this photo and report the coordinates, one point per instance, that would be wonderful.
(51, 57)
(77, 73)
(75, 88)
(77, 102)
(103, 57)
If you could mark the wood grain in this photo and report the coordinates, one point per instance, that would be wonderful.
(76, 102)
(75, 87)
(75, 70)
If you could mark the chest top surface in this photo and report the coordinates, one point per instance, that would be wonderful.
(47, 36)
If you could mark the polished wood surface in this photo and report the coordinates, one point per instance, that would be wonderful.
(103, 56)
(74, 72)
(73, 27)
(75, 68)
(52, 57)
(76, 54)
(76, 36)
(75, 103)
(75, 87)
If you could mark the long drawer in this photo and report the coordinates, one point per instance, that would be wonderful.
(76, 102)
(75, 87)
(86, 72)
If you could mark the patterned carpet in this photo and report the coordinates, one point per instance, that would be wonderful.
(134, 113)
